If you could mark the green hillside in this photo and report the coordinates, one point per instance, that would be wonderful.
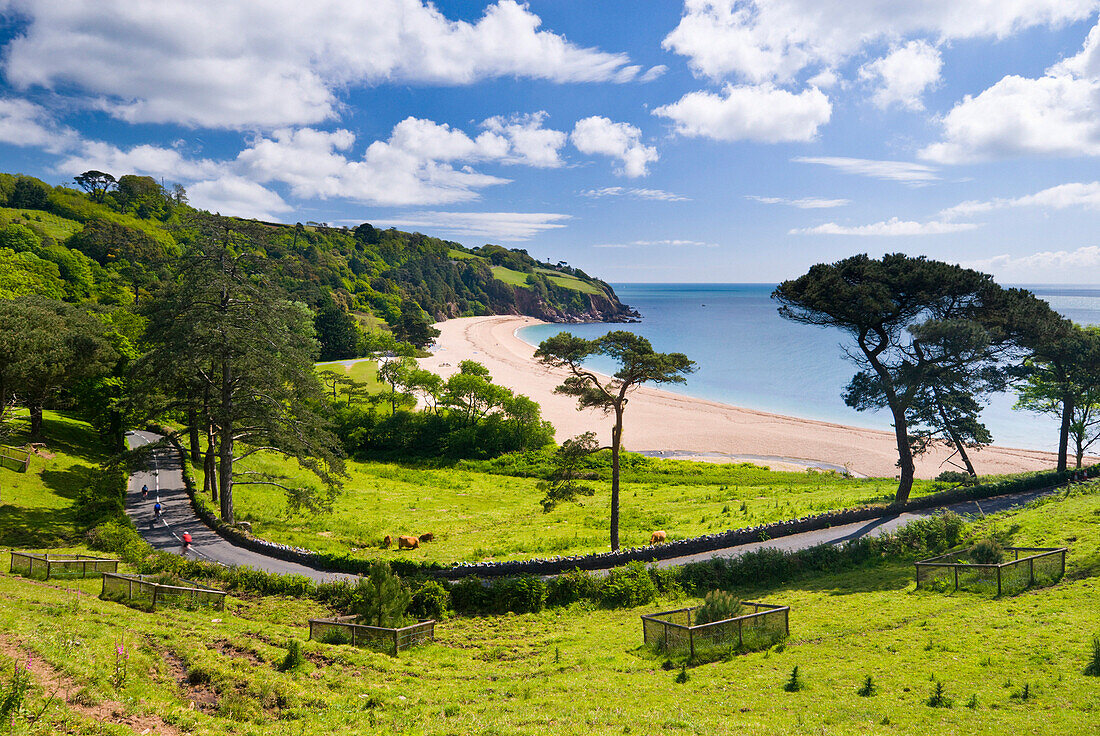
(113, 248)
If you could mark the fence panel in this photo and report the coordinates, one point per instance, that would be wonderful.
(48, 566)
(139, 588)
(343, 630)
(671, 630)
(1028, 567)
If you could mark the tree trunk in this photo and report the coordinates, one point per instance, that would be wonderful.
(225, 450)
(36, 419)
(1063, 431)
(193, 434)
(905, 457)
(958, 443)
(210, 466)
(616, 443)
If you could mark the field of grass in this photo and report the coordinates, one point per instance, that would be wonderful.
(36, 507)
(569, 282)
(1006, 666)
(364, 371)
(476, 515)
(55, 226)
(509, 276)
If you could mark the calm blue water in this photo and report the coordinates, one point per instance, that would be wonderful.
(749, 356)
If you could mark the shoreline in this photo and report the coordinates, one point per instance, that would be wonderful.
(659, 421)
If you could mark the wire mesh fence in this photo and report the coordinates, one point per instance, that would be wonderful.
(344, 630)
(15, 458)
(46, 566)
(669, 631)
(1030, 567)
(149, 592)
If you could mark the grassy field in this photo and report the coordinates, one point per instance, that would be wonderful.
(58, 228)
(364, 371)
(476, 515)
(36, 507)
(569, 282)
(1006, 666)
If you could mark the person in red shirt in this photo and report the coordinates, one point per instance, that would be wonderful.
(186, 541)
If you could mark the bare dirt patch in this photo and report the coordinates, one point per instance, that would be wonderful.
(65, 690)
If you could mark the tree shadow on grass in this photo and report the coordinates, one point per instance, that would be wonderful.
(69, 482)
(35, 529)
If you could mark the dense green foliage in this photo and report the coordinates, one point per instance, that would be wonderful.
(932, 340)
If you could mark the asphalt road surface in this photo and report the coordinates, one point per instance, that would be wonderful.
(164, 478)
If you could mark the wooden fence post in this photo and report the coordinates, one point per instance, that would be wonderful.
(691, 642)
(395, 642)
(1031, 570)
(155, 587)
(956, 569)
(1063, 563)
(998, 581)
(740, 634)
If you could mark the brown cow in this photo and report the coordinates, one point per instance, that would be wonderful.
(658, 537)
(427, 537)
(387, 541)
(404, 542)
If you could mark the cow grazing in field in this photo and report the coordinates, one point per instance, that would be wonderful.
(404, 542)
(427, 537)
(387, 541)
(658, 537)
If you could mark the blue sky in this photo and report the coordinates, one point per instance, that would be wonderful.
(709, 140)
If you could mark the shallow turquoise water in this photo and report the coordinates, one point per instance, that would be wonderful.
(749, 356)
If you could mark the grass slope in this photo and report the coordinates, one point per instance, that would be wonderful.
(477, 515)
(578, 671)
(36, 507)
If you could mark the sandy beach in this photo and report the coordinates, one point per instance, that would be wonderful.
(677, 425)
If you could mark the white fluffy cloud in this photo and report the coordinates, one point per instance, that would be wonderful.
(1063, 196)
(775, 40)
(1077, 266)
(803, 203)
(257, 63)
(622, 141)
(237, 196)
(903, 171)
(529, 142)
(762, 113)
(1057, 114)
(23, 123)
(494, 226)
(659, 195)
(155, 161)
(890, 228)
(903, 75)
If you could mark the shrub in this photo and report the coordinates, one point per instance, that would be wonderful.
(628, 586)
(523, 594)
(938, 698)
(794, 682)
(868, 688)
(470, 595)
(335, 636)
(1093, 667)
(430, 600)
(293, 658)
(571, 587)
(380, 599)
(682, 676)
(718, 605)
(987, 552)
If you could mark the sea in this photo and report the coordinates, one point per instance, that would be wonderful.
(749, 356)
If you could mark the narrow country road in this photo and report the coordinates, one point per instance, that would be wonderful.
(164, 477)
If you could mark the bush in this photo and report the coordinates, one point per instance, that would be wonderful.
(293, 659)
(628, 586)
(335, 636)
(794, 682)
(718, 605)
(523, 594)
(987, 552)
(571, 587)
(380, 599)
(1093, 668)
(431, 600)
(470, 595)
